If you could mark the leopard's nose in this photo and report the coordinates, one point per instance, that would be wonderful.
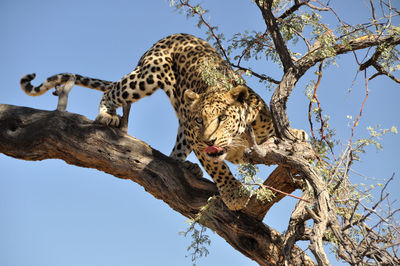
(211, 142)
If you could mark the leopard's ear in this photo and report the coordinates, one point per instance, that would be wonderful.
(239, 93)
(190, 96)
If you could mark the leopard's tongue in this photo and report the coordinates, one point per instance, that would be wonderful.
(213, 149)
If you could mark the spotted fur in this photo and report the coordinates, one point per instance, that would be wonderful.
(212, 119)
(61, 79)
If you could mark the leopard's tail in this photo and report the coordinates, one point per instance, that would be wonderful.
(61, 79)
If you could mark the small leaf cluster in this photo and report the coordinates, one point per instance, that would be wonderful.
(200, 241)
(216, 74)
(197, 230)
(247, 174)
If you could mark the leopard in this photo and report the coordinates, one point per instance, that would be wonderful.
(213, 116)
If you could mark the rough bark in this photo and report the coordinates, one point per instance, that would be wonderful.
(31, 134)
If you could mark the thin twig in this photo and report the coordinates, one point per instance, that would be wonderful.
(259, 76)
(362, 107)
(276, 190)
(222, 49)
(186, 3)
(322, 121)
(286, 194)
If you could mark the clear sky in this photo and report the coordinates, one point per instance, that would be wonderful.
(56, 214)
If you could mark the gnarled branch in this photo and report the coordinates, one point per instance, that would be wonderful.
(31, 134)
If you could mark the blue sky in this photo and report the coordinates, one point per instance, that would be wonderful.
(52, 213)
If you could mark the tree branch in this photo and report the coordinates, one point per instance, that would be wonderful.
(292, 9)
(273, 29)
(373, 61)
(314, 56)
(289, 79)
(31, 134)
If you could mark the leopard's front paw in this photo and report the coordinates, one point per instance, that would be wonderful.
(194, 168)
(108, 119)
(299, 134)
(236, 197)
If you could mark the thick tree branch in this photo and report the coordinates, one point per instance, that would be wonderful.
(283, 90)
(273, 29)
(314, 56)
(31, 134)
(293, 156)
(281, 179)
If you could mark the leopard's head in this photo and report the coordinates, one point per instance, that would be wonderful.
(216, 120)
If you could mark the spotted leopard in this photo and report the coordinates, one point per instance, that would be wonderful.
(212, 118)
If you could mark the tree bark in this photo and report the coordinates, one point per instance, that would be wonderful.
(31, 134)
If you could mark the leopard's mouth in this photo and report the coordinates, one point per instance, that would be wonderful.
(214, 151)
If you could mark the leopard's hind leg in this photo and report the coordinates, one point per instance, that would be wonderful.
(150, 74)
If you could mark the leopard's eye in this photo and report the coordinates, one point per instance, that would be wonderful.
(199, 120)
(222, 117)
